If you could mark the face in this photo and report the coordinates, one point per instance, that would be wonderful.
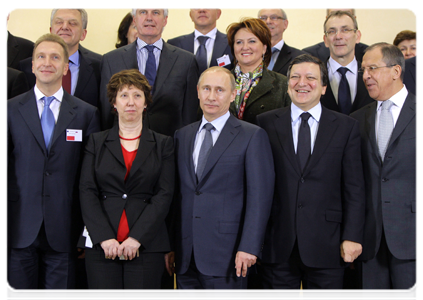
(205, 17)
(150, 24)
(276, 27)
(379, 82)
(341, 45)
(130, 104)
(48, 64)
(132, 34)
(215, 94)
(67, 23)
(248, 50)
(408, 48)
(305, 85)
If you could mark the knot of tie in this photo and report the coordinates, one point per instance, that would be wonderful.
(305, 116)
(208, 126)
(150, 48)
(48, 100)
(202, 39)
(386, 105)
(274, 49)
(343, 70)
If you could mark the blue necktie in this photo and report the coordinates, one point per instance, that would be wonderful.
(205, 150)
(150, 67)
(201, 54)
(47, 121)
(344, 94)
(273, 59)
(304, 141)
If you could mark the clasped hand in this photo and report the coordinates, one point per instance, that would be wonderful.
(112, 248)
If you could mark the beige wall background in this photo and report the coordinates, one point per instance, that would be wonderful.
(305, 25)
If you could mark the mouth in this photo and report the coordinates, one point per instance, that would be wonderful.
(302, 91)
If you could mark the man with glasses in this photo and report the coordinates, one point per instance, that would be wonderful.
(346, 91)
(388, 150)
(282, 54)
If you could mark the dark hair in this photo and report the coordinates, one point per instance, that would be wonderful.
(128, 78)
(403, 36)
(391, 55)
(338, 14)
(49, 37)
(123, 30)
(256, 27)
(311, 59)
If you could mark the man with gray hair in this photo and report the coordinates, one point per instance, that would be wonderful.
(171, 72)
(83, 78)
(282, 54)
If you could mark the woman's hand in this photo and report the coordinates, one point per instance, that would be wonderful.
(129, 248)
(110, 248)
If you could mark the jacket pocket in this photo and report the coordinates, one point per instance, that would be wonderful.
(334, 216)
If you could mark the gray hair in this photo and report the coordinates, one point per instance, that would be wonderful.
(165, 12)
(83, 12)
(284, 15)
(391, 55)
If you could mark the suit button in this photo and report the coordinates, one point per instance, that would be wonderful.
(385, 179)
(302, 180)
(47, 174)
(198, 193)
(104, 196)
(124, 196)
(300, 205)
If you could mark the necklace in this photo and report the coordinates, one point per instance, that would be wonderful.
(133, 139)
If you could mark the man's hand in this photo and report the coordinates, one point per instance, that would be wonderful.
(170, 262)
(243, 261)
(350, 251)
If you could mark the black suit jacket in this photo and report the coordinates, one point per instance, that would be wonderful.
(285, 57)
(16, 83)
(42, 188)
(322, 52)
(175, 100)
(18, 49)
(145, 195)
(410, 75)
(323, 205)
(88, 85)
(361, 99)
(391, 185)
(220, 47)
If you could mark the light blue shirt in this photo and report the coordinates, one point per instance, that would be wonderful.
(142, 54)
(74, 68)
(218, 124)
(313, 122)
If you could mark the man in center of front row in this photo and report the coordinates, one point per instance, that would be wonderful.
(225, 191)
(317, 219)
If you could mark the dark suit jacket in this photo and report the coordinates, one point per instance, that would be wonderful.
(391, 185)
(175, 100)
(270, 93)
(227, 210)
(285, 57)
(410, 75)
(322, 206)
(220, 47)
(16, 83)
(146, 195)
(43, 187)
(322, 52)
(362, 97)
(17, 50)
(87, 87)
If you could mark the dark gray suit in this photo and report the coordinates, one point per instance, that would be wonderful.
(286, 55)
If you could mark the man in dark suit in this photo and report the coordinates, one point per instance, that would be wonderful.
(410, 74)
(388, 149)
(317, 218)
(172, 73)
(321, 51)
(282, 54)
(84, 65)
(16, 83)
(47, 128)
(17, 50)
(224, 200)
(218, 52)
(346, 91)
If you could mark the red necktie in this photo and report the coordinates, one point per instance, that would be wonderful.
(66, 81)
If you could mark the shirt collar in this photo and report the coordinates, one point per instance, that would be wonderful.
(211, 34)
(158, 44)
(315, 112)
(218, 123)
(279, 45)
(38, 94)
(398, 99)
(333, 66)
(74, 58)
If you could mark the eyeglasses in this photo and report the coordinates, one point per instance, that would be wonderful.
(343, 31)
(371, 69)
(272, 17)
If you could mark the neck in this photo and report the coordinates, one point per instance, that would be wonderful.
(150, 40)
(205, 29)
(130, 130)
(73, 49)
(247, 69)
(276, 40)
(49, 89)
(343, 60)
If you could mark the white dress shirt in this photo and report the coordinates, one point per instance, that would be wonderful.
(335, 77)
(313, 122)
(54, 105)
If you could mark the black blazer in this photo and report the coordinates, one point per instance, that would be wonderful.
(410, 75)
(220, 47)
(16, 83)
(285, 57)
(323, 205)
(88, 85)
(270, 93)
(146, 195)
(362, 97)
(18, 49)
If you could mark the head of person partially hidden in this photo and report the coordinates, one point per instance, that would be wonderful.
(128, 79)
(307, 81)
(216, 90)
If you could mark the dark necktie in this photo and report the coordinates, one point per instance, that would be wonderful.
(66, 81)
(202, 53)
(150, 67)
(205, 150)
(344, 94)
(304, 141)
(386, 126)
(47, 120)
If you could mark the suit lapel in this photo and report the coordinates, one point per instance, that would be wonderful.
(129, 56)
(168, 58)
(283, 58)
(188, 43)
(408, 112)
(370, 127)
(85, 72)
(113, 144)
(146, 145)
(66, 115)
(189, 149)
